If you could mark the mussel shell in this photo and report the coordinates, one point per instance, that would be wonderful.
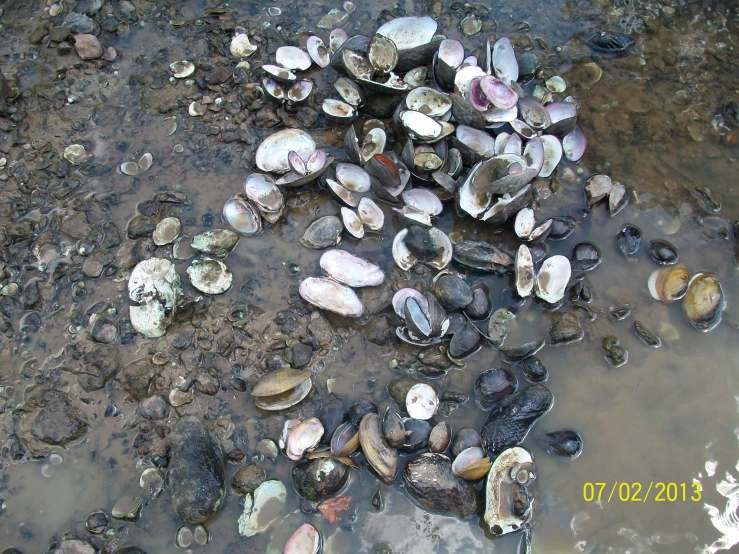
(471, 464)
(617, 198)
(465, 342)
(585, 256)
(416, 319)
(393, 430)
(319, 479)
(332, 415)
(350, 270)
(480, 307)
(704, 302)
(360, 409)
(351, 93)
(345, 440)
(493, 385)
(564, 443)
(646, 336)
(382, 54)
(452, 292)
(383, 459)
(465, 438)
(628, 239)
(271, 156)
(417, 433)
(482, 256)
(518, 353)
(525, 275)
(280, 381)
(562, 227)
(609, 42)
(663, 252)
(284, 400)
(339, 111)
(669, 283)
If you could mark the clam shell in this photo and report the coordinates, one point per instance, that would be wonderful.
(534, 113)
(498, 93)
(409, 32)
(332, 296)
(414, 216)
(370, 214)
(471, 464)
(416, 319)
(284, 400)
(304, 436)
(351, 270)
(182, 69)
(524, 271)
(300, 92)
(292, 57)
(704, 302)
(669, 283)
(428, 101)
(262, 190)
(400, 297)
(155, 279)
(552, 155)
(383, 459)
(336, 38)
(552, 279)
(210, 276)
(280, 74)
(504, 61)
(345, 440)
(424, 200)
(420, 127)
(421, 402)
(242, 216)
(352, 177)
(504, 512)
(382, 54)
(479, 141)
(241, 47)
(352, 223)
(350, 198)
(271, 156)
(350, 92)
(323, 232)
(317, 51)
(305, 540)
(273, 90)
(280, 381)
(339, 111)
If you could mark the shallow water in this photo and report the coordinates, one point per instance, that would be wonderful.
(669, 415)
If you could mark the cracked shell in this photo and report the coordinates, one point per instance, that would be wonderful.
(210, 276)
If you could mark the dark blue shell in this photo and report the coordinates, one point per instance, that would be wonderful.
(610, 43)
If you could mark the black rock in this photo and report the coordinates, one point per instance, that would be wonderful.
(628, 239)
(663, 252)
(609, 43)
(197, 476)
(453, 292)
(616, 355)
(533, 370)
(301, 355)
(429, 480)
(564, 443)
(562, 227)
(565, 328)
(510, 421)
(419, 242)
(465, 342)
(332, 415)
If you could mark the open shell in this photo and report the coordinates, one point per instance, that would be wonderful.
(271, 156)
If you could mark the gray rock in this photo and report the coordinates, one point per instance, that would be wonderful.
(320, 329)
(248, 478)
(99, 364)
(565, 328)
(140, 226)
(79, 23)
(153, 408)
(74, 546)
(379, 331)
(104, 329)
(136, 376)
(301, 355)
(207, 382)
(197, 477)
(57, 423)
(59, 33)
(76, 226)
(376, 299)
(89, 7)
(88, 47)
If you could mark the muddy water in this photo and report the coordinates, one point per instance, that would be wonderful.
(669, 415)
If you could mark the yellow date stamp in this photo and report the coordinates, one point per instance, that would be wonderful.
(654, 491)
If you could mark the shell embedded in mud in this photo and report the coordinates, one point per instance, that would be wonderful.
(332, 296)
(217, 242)
(210, 276)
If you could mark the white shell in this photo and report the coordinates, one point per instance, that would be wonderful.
(371, 214)
(271, 156)
(409, 32)
(429, 101)
(130, 168)
(264, 193)
(351, 270)
(525, 223)
(269, 498)
(402, 256)
(514, 467)
(241, 47)
(145, 161)
(210, 276)
(338, 110)
(332, 296)
(317, 51)
(402, 295)
(155, 278)
(303, 437)
(352, 177)
(480, 142)
(350, 198)
(524, 271)
(420, 126)
(150, 319)
(552, 279)
(504, 61)
(182, 69)
(292, 57)
(421, 402)
(352, 223)
(552, 155)
(424, 200)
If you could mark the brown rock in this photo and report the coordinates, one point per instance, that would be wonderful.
(88, 47)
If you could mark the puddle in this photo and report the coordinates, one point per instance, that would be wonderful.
(668, 416)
